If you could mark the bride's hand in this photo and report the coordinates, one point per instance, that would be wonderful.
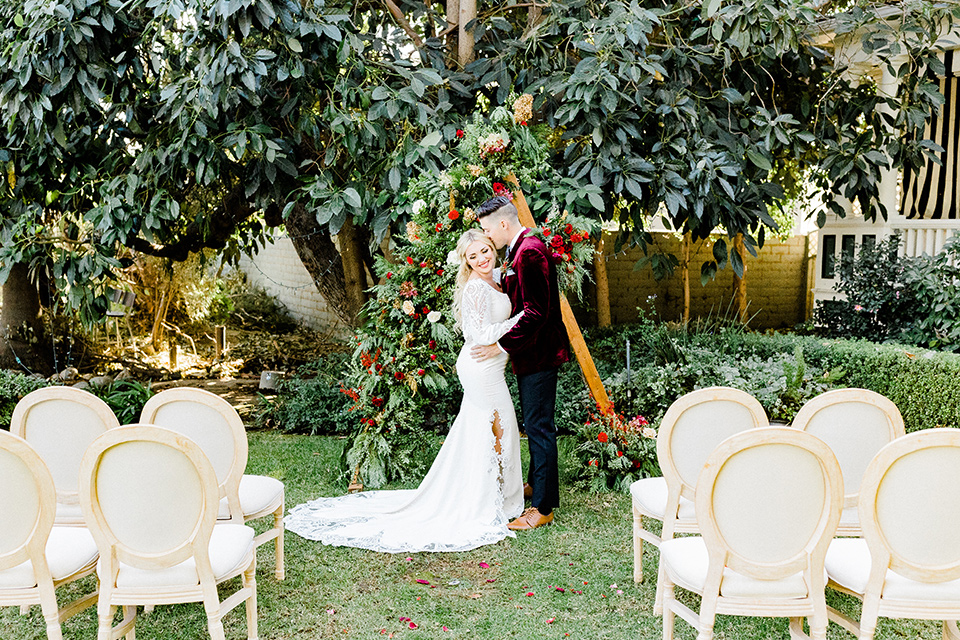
(481, 352)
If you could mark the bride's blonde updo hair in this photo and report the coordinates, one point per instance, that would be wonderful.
(463, 273)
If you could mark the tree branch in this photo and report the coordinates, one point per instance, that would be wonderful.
(403, 22)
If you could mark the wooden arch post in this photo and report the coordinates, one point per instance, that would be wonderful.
(579, 345)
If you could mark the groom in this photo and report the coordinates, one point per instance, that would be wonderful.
(537, 346)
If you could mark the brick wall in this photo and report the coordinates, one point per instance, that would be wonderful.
(777, 284)
(278, 270)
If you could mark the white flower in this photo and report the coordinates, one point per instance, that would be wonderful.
(418, 206)
(433, 316)
(445, 180)
(649, 432)
(452, 258)
(408, 308)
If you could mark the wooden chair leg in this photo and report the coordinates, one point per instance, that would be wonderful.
(279, 570)
(637, 548)
(250, 582)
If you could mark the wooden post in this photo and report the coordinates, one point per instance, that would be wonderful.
(220, 338)
(577, 342)
(173, 355)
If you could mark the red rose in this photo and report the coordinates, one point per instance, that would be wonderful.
(439, 227)
(432, 344)
(576, 238)
(619, 454)
(426, 310)
(586, 235)
(437, 289)
(568, 229)
(377, 402)
(556, 242)
(420, 372)
(423, 264)
(523, 124)
(453, 215)
(409, 260)
(371, 422)
(546, 232)
(398, 375)
(439, 272)
(460, 133)
(498, 187)
(636, 464)
(602, 436)
(433, 356)
(389, 274)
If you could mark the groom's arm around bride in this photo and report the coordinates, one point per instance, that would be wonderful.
(537, 346)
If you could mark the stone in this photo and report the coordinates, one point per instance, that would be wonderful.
(101, 381)
(83, 384)
(124, 375)
(68, 374)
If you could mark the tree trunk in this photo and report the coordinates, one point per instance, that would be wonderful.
(685, 271)
(740, 283)
(453, 19)
(323, 262)
(354, 251)
(603, 284)
(20, 328)
(465, 43)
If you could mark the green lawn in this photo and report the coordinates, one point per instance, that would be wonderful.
(348, 593)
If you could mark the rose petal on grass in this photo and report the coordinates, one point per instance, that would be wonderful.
(423, 582)
(446, 629)
(619, 592)
(413, 625)
(529, 593)
(491, 579)
(550, 620)
(484, 565)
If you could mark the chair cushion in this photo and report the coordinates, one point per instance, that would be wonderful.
(686, 560)
(650, 498)
(258, 494)
(229, 545)
(848, 564)
(69, 549)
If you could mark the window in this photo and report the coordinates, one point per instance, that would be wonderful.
(848, 246)
(869, 242)
(828, 262)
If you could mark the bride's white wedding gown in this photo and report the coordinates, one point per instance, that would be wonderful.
(470, 492)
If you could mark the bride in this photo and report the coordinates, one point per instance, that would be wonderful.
(474, 486)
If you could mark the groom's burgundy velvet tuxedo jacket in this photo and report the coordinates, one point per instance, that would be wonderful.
(538, 342)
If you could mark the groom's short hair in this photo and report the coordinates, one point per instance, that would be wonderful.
(498, 206)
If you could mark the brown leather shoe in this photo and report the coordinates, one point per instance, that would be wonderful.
(527, 491)
(530, 519)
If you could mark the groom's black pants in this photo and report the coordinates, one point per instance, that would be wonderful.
(538, 396)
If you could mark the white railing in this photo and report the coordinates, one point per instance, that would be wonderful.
(924, 236)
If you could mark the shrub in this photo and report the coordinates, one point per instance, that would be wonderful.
(312, 401)
(125, 397)
(13, 386)
(889, 297)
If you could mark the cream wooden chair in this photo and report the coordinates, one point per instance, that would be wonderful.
(35, 556)
(856, 424)
(907, 565)
(59, 423)
(151, 498)
(215, 425)
(693, 425)
(768, 502)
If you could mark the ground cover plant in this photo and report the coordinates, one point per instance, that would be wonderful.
(578, 573)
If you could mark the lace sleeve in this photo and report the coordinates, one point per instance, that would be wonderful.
(475, 315)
